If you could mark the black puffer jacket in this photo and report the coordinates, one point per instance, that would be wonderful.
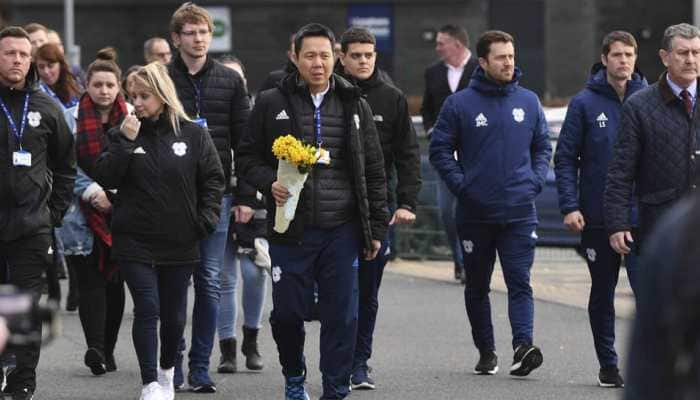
(34, 199)
(398, 138)
(257, 165)
(224, 103)
(654, 155)
(169, 191)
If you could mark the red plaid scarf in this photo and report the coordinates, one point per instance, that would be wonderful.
(90, 141)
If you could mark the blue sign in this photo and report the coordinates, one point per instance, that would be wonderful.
(378, 19)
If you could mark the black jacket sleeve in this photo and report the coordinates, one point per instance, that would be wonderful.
(61, 161)
(251, 159)
(426, 109)
(240, 112)
(375, 175)
(619, 183)
(210, 186)
(406, 158)
(111, 166)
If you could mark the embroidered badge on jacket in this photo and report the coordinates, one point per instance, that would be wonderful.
(34, 118)
(518, 114)
(180, 148)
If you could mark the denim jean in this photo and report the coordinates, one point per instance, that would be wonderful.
(447, 202)
(253, 298)
(159, 293)
(206, 292)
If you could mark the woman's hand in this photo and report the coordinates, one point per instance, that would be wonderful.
(130, 127)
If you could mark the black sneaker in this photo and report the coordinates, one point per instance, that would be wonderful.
(200, 383)
(360, 379)
(526, 359)
(609, 377)
(23, 394)
(95, 360)
(488, 363)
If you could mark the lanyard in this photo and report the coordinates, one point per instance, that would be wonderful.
(47, 89)
(18, 133)
(197, 96)
(317, 120)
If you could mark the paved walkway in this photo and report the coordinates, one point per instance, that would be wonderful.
(558, 275)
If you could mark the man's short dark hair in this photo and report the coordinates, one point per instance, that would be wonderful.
(14, 31)
(623, 37)
(35, 27)
(457, 32)
(312, 30)
(356, 35)
(483, 45)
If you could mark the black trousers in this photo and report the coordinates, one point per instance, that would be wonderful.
(101, 304)
(23, 262)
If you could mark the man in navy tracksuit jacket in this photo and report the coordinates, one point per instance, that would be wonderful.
(581, 164)
(490, 146)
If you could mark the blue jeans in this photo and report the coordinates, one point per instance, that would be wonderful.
(604, 266)
(327, 257)
(447, 202)
(159, 293)
(515, 245)
(254, 286)
(206, 292)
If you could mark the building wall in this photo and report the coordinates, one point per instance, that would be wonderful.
(572, 31)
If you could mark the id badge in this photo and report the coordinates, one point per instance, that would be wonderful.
(324, 156)
(22, 158)
(201, 122)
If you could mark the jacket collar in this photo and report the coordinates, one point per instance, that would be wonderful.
(31, 83)
(179, 64)
(481, 83)
(666, 92)
(598, 82)
(292, 83)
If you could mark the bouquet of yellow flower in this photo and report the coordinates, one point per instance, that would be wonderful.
(295, 162)
(292, 150)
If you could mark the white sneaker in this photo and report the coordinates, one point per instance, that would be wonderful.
(165, 380)
(152, 391)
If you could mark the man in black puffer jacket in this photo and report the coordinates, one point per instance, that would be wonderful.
(342, 208)
(214, 97)
(657, 145)
(400, 149)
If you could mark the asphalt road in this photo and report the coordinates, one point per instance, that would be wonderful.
(423, 350)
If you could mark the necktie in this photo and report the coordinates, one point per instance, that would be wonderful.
(687, 101)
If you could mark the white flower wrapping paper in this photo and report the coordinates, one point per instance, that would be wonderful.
(288, 175)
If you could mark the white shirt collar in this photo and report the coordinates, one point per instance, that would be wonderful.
(318, 97)
(692, 89)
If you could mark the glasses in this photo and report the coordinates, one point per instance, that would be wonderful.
(201, 32)
(357, 56)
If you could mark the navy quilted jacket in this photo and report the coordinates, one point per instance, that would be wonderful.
(585, 145)
(654, 156)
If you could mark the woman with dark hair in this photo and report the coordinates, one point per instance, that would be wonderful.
(86, 228)
(169, 183)
(56, 78)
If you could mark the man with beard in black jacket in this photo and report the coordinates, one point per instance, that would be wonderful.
(215, 97)
(37, 171)
(390, 108)
(342, 208)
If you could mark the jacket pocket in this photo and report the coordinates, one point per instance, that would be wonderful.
(659, 197)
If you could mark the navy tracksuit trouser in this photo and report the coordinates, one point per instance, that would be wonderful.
(328, 258)
(604, 266)
(515, 245)
(370, 278)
